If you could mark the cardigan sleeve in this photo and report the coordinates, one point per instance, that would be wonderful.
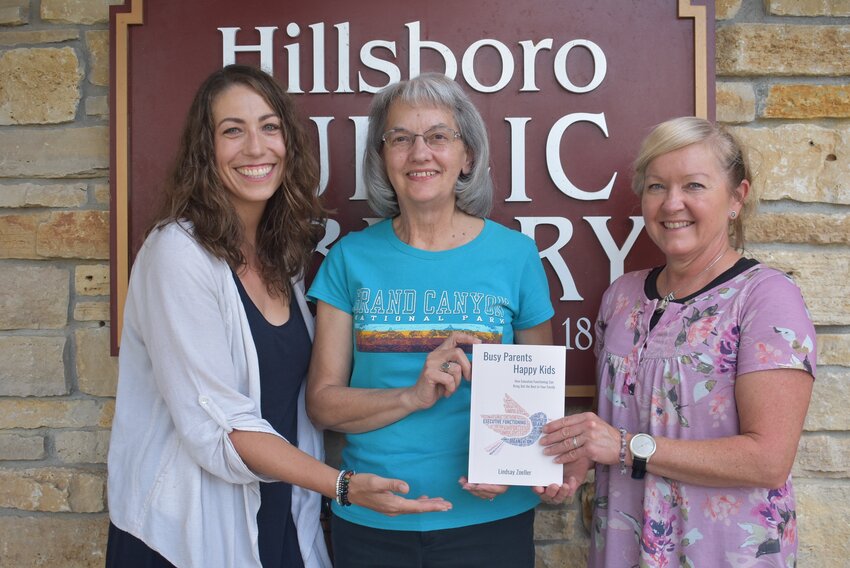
(194, 342)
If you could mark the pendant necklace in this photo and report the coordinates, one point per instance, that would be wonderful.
(672, 294)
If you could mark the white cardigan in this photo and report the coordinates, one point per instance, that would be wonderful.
(188, 375)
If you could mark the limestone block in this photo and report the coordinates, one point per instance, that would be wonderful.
(736, 102)
(21, 447)
(834, 349)
(18, 236)
(561, 555)
(726, 9)
(14, 12)
(53, 490)
(81, 447)
(32, 366)
(808, 7)
(75, 541)
(782, 50)
(54, 153)
(10, 38)
(806, 228)
(35, 297)
(98, 45)
(830, 400)
(43, 195)
(554, 523)
(803, 162)
(39, 413)
(91, 311)
(97, 371)
(74, 234)
(107, 412)
(823, 522)
(97, 106)
(91, 280)
(807, 101)
(101, 194)
(823, 456)
(77, 11)
(40, 85)
(817, 274)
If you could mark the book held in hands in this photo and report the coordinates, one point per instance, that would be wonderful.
(516, 390)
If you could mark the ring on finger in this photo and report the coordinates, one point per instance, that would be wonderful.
(446, 366)
(575, 442)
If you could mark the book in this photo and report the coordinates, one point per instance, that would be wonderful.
(516, 390)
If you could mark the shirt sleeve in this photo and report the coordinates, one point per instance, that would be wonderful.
(331, 282)
(186, 328)
(535, 304)
(776, 328)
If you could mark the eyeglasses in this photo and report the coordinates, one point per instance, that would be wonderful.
(436, 138)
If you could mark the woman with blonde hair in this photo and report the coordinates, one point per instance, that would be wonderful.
(704, 367)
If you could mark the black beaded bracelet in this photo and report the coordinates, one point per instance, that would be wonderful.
(342, 482)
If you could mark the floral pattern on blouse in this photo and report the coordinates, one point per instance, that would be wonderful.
(677, 380)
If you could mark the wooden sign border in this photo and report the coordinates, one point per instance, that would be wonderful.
(132, 13)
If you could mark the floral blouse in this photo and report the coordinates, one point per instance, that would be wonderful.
(677, 380)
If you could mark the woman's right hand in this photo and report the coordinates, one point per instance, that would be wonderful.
(382, 495)
(443, 370)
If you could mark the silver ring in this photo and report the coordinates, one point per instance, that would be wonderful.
(446, 366)
(575, 442)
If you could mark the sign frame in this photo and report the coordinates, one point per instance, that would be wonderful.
(132, 13)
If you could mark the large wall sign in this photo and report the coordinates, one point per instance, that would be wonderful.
(568, 89)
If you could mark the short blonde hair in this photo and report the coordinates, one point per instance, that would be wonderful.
(677, 133)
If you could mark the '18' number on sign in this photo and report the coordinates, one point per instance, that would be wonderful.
(582, 339)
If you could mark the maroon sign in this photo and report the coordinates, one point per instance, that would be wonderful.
(568, 88)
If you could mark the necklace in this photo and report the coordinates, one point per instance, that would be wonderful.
(672, 294)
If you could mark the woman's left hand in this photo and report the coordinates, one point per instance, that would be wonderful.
(575, 473)
(581, 436)
(482, 490)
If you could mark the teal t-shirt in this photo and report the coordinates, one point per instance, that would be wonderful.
(404, 302)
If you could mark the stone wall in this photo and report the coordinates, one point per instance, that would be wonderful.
(782, 81)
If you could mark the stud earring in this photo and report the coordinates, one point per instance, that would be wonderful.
(732, 214)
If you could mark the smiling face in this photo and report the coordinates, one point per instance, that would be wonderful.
(422, 177)
(249, 148)
(686, 203)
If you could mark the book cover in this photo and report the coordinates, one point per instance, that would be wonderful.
(516, 389)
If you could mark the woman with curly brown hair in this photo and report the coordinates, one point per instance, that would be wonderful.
(215, 317)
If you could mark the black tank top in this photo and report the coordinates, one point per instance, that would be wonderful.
(283, 353)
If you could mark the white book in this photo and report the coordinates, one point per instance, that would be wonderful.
(516, 389)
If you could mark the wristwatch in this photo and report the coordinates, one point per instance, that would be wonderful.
(642, 446)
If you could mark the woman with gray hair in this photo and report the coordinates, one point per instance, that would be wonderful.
(399, 305)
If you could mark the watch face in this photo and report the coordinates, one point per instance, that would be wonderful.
(642, 445)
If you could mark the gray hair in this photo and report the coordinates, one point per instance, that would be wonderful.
(473, 191)
(678, 133)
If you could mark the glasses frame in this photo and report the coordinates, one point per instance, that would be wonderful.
(455, 136)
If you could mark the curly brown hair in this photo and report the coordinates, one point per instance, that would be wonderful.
(294, 218)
